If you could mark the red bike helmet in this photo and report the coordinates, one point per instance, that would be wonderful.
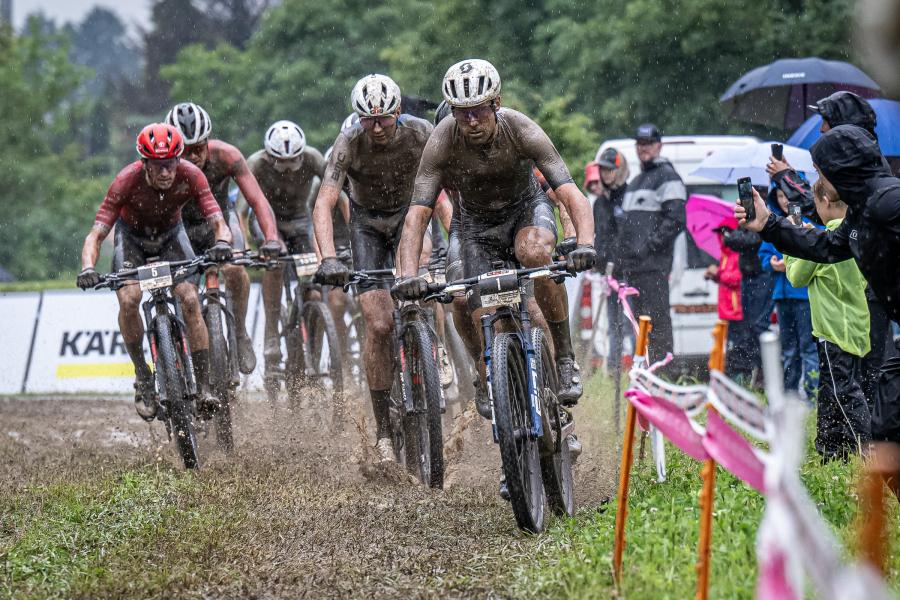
(159, 140)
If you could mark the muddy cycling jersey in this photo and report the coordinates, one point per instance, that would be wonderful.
(289, 192)
(225, 163)
(496, 180)
(148, 211)
(381, 177)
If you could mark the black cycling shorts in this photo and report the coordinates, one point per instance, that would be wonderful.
(296, 234)
(483, 242)
(374, 238)
(203, 237)
(132, 249)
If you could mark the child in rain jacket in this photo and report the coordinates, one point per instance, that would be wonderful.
(798, 346)
(840, 322)
(728, 275)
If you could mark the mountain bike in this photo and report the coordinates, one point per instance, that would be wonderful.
(528, 423)
(417, 399)
(167, 336)
(312, 342)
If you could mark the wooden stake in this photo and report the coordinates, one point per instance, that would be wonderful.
(644, 328)
(881, 467)
(708, 491)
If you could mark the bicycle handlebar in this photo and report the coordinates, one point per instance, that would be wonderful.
(438, 291)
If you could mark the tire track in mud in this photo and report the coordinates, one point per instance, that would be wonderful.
(317, 519)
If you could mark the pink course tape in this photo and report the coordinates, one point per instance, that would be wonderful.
(623, 291)
(728, 448)
(671, 421)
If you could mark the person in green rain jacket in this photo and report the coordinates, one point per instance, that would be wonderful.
(840, 324)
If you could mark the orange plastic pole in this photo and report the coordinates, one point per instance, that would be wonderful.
(708, 492)
(644, 328)
(881, 467)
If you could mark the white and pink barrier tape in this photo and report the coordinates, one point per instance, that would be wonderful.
(794, 542)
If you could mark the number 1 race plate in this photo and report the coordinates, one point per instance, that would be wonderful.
(499, 288)
(305, 264)
(154, 276)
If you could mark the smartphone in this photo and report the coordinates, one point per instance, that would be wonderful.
(778, 151)
(745, 193)
(794, 213)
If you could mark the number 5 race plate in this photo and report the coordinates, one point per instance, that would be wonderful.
(154, 276)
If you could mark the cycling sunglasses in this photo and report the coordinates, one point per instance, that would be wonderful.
(479, 113)
(385, 121)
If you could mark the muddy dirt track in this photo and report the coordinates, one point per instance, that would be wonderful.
(304, 512)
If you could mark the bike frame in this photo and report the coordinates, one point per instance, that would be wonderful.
(522, 320)
(404, 312)
(163, 304)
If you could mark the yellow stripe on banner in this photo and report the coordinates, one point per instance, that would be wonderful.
(75, 370)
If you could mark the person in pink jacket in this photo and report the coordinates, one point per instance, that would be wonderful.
(728, 275)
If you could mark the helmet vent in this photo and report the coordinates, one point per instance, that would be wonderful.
(481, 84)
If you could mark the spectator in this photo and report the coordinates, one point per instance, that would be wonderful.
(609, 188)
(652, 217)
(728, 275)
(849, 158)
(756, 299)
(846, 108)
(840, 323)
(798, 347)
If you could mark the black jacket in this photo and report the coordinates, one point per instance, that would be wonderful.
(606, 235)
(849, 158)
(746, 244)
(652, 217)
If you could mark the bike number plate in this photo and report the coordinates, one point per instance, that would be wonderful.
(499, 288)
(154, 276)
(305, 264)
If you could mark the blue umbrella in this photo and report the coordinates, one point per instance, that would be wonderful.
(777, 94)
(887, 128)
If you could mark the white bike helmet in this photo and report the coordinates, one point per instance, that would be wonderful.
(470, 82)
(285, 139)
(375, 95)
(191, 121)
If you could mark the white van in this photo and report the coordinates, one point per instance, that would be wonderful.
(692, 298)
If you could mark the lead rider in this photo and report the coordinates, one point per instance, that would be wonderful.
(487, 153)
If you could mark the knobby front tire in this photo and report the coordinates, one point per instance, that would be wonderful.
(179, 407)
(423, 429)
(322, 349)
(220, 374)
(519, 452)
(556, 458)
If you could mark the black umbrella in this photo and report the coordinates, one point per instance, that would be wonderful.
(778, 94)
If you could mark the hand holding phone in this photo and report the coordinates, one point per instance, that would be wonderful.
(778, 151)
(745, 194)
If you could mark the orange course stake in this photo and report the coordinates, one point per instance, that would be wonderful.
(881, 467)
(708, 492)
(644, 328)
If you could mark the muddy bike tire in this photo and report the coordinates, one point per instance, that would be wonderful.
(556, 458)
(423, 429)
(322, 362)
(220, 373)
(295, 363)
(519, 451)
(179, 406)
(356, 336)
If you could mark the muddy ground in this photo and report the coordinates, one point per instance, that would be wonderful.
(309, 515)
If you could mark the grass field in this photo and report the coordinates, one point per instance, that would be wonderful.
(92, 524)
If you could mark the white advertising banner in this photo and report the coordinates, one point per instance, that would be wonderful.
(78, 347)
(17, 314)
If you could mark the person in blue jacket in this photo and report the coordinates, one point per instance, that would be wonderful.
(798, 347)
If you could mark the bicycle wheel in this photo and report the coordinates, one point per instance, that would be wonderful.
(219, 373)
(356, 333)
(169, 363)
(519, 451)
(323, 354)
(556, 458)
(295, 365)
(423, 427)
